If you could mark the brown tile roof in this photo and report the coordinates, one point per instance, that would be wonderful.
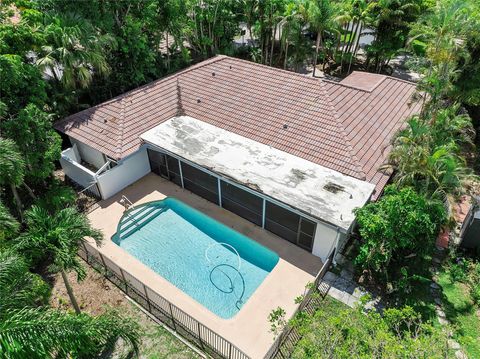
(337, 125)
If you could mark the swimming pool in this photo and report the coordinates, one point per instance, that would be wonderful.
(215, 265)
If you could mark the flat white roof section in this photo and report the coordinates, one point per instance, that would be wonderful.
(318, 191)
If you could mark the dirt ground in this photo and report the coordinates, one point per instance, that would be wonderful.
(95, 294)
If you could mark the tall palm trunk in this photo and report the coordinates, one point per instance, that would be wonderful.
(18, 201)
(286, 56)
(70, 292)
(358, 31)
(353, 35)
(317, 46)
(273, 44)
(168, 52)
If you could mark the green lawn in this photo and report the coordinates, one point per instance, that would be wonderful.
(460, 310)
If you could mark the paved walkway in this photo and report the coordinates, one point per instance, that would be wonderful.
(345, 289)
(436, 292)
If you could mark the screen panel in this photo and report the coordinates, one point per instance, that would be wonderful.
(200, 183)
(242, 203)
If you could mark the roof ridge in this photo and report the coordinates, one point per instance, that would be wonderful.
(125, 94)
(310, 78)
(119, 150)
(366, 91)
(356, 162)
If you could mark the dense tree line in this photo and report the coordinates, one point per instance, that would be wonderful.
(61, 56)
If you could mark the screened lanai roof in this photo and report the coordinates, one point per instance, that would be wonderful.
(309, 187)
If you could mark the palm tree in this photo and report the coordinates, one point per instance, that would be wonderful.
(290, 24)
(320, 13)
(425, 156)
(361, 10)
(19, 288)
(75, 52)
(30, 331)
(58, 236)
(47, 333)
(443, 30)
(12, 170)
(8, 224)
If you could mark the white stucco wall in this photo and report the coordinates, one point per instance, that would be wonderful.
(125, 173)
(89, 154)
(324, 241)
(81, 175)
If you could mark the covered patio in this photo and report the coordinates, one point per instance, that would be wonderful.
(249, 330)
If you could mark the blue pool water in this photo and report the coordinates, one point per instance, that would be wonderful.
(215, 265)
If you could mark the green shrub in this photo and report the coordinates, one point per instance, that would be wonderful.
(458, 270)
(336, 331)
(57, 197)
(475, 294)
(401, 226)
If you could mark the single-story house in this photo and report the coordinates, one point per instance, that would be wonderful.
(292, 154)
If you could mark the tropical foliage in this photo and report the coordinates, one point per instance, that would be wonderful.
(337, 331)
(29, 329)
(397, 230)
(60, 56)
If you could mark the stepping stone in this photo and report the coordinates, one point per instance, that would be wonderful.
(330, 277)
(437, 301)
(358, 292)
(434, 285)
(340, 259)
(443, 321)
(440, 313)
(460, 355)
(437, 260)
(351, 301)
(452, 344)
(346, 274)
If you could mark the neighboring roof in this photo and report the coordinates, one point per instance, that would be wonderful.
(316, 190)
(332, 124)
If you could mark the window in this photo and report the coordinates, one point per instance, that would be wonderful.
(241, 202)
(200, 183)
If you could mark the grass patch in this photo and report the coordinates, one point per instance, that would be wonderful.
(462, 313)
(159, 343)
(95, 294)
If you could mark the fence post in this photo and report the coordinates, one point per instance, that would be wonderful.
(230, 351)
(171, 314)
(103, 262)
(124, 280)
(86, 252)
(199, 336)
(148, 299)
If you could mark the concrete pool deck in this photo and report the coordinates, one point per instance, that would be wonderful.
(249, 329)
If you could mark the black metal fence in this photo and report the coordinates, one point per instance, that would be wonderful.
(289, 337)
(185, 325)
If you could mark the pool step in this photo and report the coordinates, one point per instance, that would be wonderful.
(134, 215)
(138, 221)
(135, 219)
